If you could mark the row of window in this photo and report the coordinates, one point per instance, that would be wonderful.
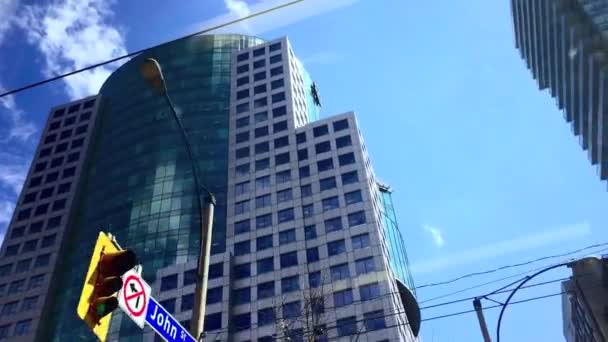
(51, 138)
(35, 227)
(285, 195)
(18, 286)
(261, 51)
(45, 193)
(41, 209)
(30, 245)
(74, 108)
(260, 75)
(51, 177)
(66, 133)
(284, 158)
(22, 328)
(58, 161)
(260, 132)
(24, 265)
(323, 130)
(11, 308)
(281, 177)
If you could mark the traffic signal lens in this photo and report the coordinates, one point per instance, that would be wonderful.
(105, 305)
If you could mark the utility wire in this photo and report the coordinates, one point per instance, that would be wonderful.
(507, 277)
(511, 266)
(131, 54)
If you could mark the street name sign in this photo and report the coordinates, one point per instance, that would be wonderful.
(166, 325)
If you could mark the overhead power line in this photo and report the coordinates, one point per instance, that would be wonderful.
(132, 54)
(510, 266)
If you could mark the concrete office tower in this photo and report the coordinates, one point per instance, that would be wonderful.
(563, 43)
(33, 241)
(299, 208)
(585, 301)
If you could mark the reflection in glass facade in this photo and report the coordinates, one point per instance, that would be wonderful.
(137, 183)
(397, 255)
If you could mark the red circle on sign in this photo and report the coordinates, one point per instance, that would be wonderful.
(134, 295)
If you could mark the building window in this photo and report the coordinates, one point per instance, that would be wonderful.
(242, 321)
(41, 209)
(29, 246)
(242, 152)
(323, 147)
(263, 201)
(290, 284)
(284, 196)
(336, 247)
(325, 164)
(258, 76)
(285, 215)
(287, 236)
(259, 89)
(84, 116)
(262, 183)
(289, 259)
(242, 271)
(11, 250)
(242, 296)
(190, 277)
(343, 141)
(357, 218)
(283, 176)
(277, 84)
(360, 241)
(23, 327)
(259, 52)
(187, 302)
(53, 222)
(280, 127)
(339, 272)
(215, 295)
(59, 113)
(332, 225)
(346, 159)
(23, 266)
(16, 286)
(242, 81)
(343, 298)
(304, 171)
(276, 71)
(279, 111)
(45, 152)
(65, 134)
(5, 269)
(276, 58)
(365, 265)
(242, 68)
(51, 177)
(242, 248)
(261, 102)
(312, 254)
(242, 170)
(274, 47)
(242, 57)
(36, 227)
(241, 207)
(61, 147)
(306, 190)
(242, 122)
(50, 138)
(262, 164)
(310, 232)
(69, 172)
(282, 158)
(347, 326)
(36, 281)
(40, 167)
(24, 214)
(308, 211)
(242, 137)
(242, 107)
(350, 178)
(168, 282)
(260, 117)
(327, 183)
(262, 147)
(216, 270)
(281, 142)
(241, 94)
(48, 241)
(353, 197)
(330, 203)
(314, 279)
(241, 188)
(266, 290)
(263, 221)
(301, 138)
(340, 125)
(169, 304)
(77, 143)
(213, 322)
(17, 232)
(374, 320)
(241, 227)
(320, 131)
(263, 242)
(303, 155)
(59, 204)
(46, 193)
(291, 310)
(74, 108)
(278, 97)
(265, 317)
(369, 291)
(4, 329)
(9, 308)
(265, 265)
(35, 181)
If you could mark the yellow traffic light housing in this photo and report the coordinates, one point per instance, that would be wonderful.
(97, 300)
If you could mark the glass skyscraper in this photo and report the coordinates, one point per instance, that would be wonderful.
(298, 206)
(563, 43)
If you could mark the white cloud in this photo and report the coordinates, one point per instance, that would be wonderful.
(6, 211)
(435, 234)
(273, 20)
(7, 13)
(72, 34)
(496, 249)
(19, 128)
(13, 170)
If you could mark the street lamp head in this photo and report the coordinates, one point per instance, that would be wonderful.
(153, 74)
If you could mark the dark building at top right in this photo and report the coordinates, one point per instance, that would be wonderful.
(564, 43)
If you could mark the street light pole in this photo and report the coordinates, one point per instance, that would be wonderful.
(152, 72)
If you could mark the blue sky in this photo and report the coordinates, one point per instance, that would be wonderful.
(485, 170)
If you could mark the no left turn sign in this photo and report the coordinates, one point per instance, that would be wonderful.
(134, 296)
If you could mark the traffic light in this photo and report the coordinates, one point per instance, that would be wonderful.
(97, 301)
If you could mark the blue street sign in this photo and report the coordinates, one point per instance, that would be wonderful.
(165, 325)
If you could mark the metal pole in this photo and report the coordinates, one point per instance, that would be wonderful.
(482, 320)
(206, 228)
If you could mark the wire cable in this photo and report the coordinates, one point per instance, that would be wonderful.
(132, 54)
(511, 266)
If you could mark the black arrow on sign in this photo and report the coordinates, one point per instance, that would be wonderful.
(133, 290)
